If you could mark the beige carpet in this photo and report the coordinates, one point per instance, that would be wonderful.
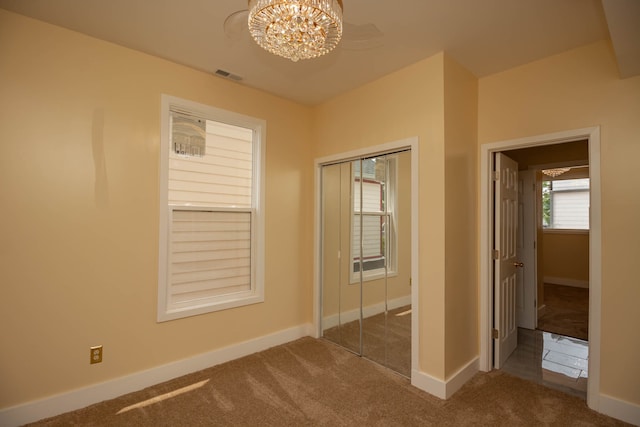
(566, 312)
(313, 382)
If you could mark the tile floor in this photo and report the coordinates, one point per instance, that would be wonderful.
(550, 359)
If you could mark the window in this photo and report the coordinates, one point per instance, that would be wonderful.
(374, 218)
(565, 204)
(211, 222)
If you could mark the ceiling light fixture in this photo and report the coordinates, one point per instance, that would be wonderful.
(296, 29)
(555, 172)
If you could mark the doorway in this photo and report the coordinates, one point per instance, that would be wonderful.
(553, 237)
(488, 152)
(551, 340)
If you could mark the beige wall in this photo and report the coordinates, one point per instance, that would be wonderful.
(80, 139)
(414, 102)
(461, 255)
(566, 256)
(401, 105)
(577, 89)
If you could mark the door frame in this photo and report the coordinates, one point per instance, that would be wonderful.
(592, 135)
(404, 144)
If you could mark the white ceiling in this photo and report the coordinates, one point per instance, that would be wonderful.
(380, 36)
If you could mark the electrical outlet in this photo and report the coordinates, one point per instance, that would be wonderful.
(95, 354)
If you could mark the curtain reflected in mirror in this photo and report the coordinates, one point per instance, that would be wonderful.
(366, 258)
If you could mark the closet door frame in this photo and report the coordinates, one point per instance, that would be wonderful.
(383, 149)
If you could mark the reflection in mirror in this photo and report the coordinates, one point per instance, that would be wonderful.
(366, 258)
(386, 291)
(340, 301)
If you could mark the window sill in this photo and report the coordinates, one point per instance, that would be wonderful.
(564, 231)
(210, 305)
(371, 277)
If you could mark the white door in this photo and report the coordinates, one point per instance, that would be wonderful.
(506, 263)
(526, 283)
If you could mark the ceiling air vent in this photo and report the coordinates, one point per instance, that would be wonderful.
(227, 75)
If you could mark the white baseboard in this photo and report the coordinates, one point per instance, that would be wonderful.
(620, 409)
(463, 375)
(431, 385)
(607, 405)
(368, 311)
(567, 282)
(80, 398)
(445, 389)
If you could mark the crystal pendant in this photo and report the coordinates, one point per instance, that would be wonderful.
(296, 29)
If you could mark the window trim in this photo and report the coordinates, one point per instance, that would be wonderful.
(258, 126)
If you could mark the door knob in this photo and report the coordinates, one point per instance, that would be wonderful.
(518, 264)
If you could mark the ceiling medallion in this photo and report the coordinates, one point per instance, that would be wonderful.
(296, 29)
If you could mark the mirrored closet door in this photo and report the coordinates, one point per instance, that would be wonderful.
(366, 258)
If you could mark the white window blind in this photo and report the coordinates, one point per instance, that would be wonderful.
(210, 255)
(570, 210)
(211, 258)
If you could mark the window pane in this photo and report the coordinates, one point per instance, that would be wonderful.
(368, 168)
(565, 204)
(220, 178)
(373, 242)
(571, 184)
(371, 196)
(210, 255)
(372, 235)
(570, 209)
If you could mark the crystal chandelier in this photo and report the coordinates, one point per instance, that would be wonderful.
(555, 172)
(296, 29)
